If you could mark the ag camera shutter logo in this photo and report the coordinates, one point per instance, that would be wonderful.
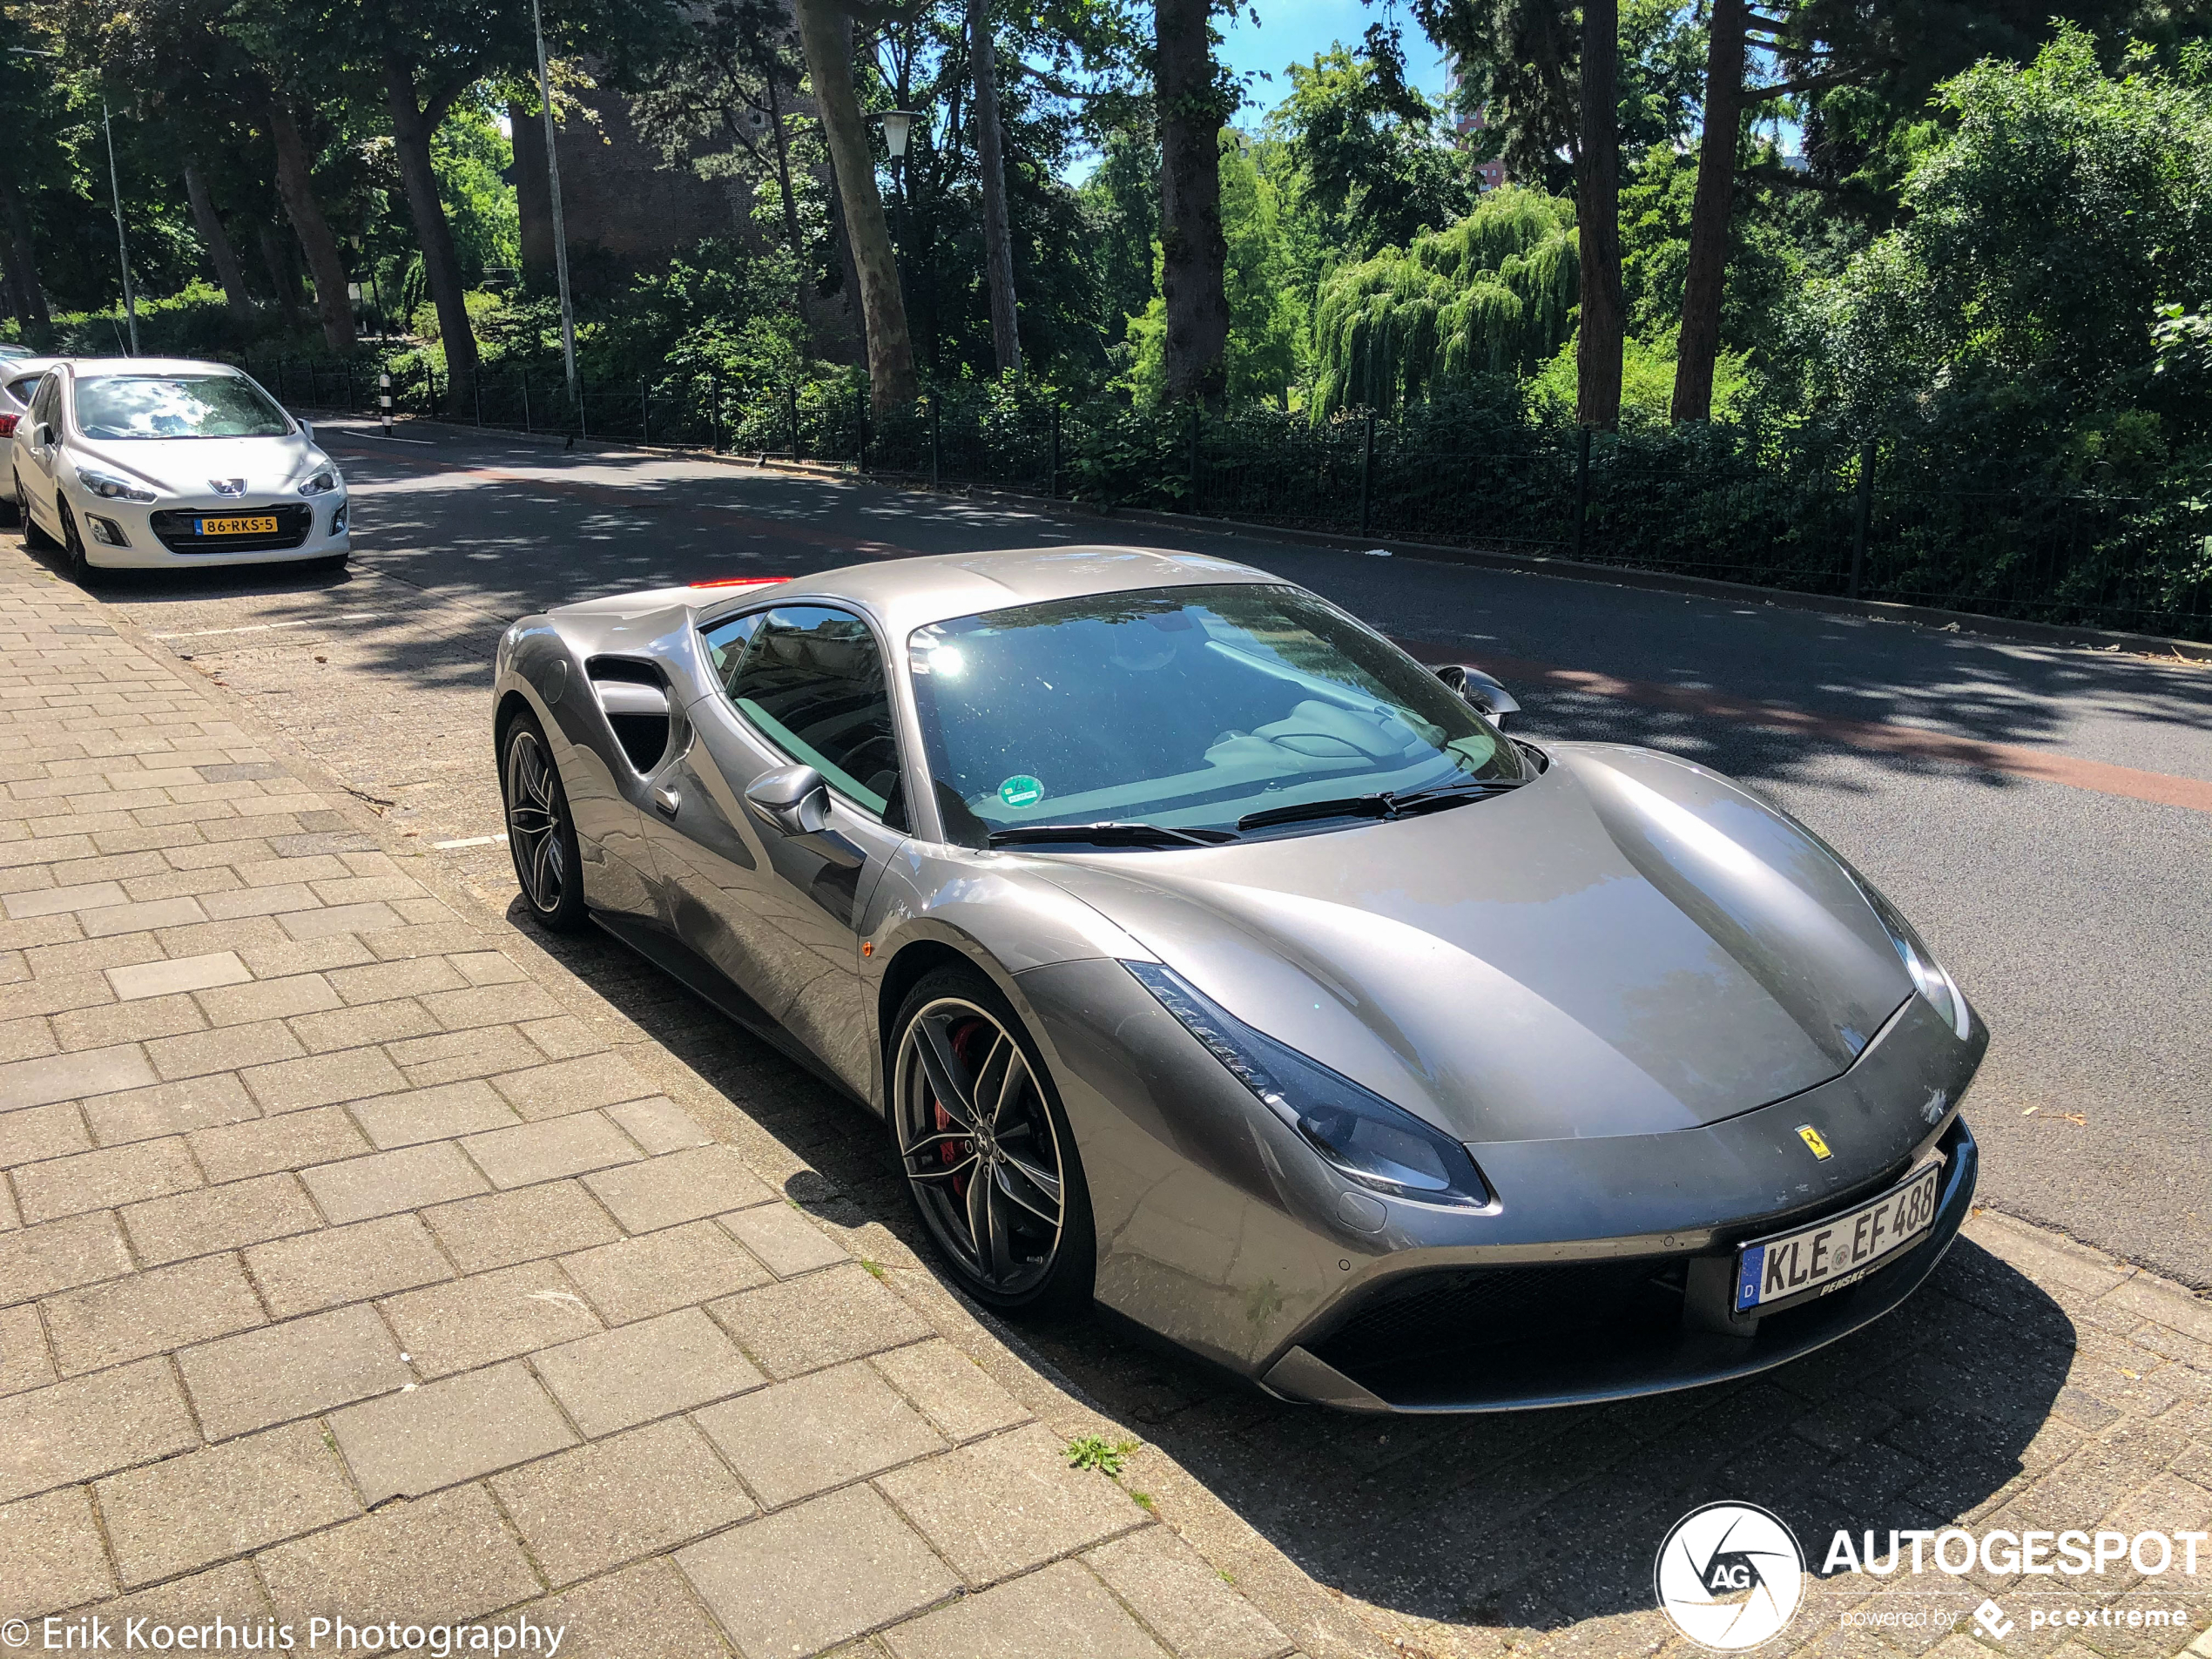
(1731, 1576)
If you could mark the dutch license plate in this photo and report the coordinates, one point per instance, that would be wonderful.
(1833, 1253)
(241, 526)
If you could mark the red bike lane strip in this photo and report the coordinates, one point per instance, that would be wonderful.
(1878, 737)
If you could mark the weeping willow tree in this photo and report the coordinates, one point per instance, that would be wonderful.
(1493, 294)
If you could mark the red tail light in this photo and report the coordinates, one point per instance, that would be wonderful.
(739, 581)
(8, 425)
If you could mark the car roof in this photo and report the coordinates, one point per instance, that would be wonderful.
(903, 594)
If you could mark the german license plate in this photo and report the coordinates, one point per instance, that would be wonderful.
(1833, 1253)
(239, 526)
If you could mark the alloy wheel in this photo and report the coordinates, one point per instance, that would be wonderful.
(533, 808)
(978, 1144)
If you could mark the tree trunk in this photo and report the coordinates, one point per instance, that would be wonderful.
(1597, 219)
(1193, 252)
(296, 184)
(412, 127)
(21, 247)
(281, 282)
(791, 233)
(220, 253)
(533, 198)
(883, 308)
(990, 157)
(1710, 212)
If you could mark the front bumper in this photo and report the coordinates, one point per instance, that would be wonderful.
(157, 534)
(1404, 1356)
(1221, 1231)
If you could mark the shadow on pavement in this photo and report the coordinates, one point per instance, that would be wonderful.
(1501, 1526)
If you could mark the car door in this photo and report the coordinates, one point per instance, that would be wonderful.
(779, 913)
(36, 461)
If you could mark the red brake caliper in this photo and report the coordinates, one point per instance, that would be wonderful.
(952, 1152)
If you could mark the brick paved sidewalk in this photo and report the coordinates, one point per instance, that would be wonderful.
(345, 1270)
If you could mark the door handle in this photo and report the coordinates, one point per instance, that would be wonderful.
(667, 799)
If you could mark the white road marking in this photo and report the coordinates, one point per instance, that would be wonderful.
(472, 840)
(267, 627)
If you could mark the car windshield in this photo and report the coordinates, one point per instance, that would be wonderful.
(1184, 707)
(177, 406)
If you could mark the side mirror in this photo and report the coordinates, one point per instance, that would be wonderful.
(792, 798)
(1484, 694)
(42, 436)
(307, 430)
(795, 801)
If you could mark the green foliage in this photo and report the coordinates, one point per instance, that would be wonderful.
(1646, 386)
(1373, 156)
(1263, 310)
(2066, 213)
(1493, 294)
(471, 155)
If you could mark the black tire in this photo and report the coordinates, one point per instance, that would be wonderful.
(11, 515)
(541, 831)
(81, 570)
(954, 1028)
(33, 537)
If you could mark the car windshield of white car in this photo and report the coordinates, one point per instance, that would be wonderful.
(1187, 708)
(177, 406)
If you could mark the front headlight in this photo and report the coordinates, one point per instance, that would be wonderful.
(108, 487)
(1929, 976)
(321, 482)
(1363, 1136)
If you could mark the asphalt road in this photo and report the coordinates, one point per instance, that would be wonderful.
(2043, 814)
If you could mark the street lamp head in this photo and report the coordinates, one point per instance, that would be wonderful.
(897, 124)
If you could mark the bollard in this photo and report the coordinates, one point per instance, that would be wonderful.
(793, 393)
(1366, 474)
(936, 450)
(384, 399)
(1582, 484)
(1863, 509)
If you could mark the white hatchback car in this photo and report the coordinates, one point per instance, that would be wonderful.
(20, 373)
(152, 463)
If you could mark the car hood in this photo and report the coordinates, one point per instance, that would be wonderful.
(190, 466)
(1630, 944)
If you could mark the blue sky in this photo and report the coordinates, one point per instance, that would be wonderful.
(1294, 29)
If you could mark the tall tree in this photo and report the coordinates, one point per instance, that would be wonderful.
(824, 37)
(990, 156)
(221, 252)
(1195, 98)
(1548, 83)
(1597, 220)
(295, 184)
(20, 245)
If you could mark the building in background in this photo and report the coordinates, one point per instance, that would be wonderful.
(1467, 122)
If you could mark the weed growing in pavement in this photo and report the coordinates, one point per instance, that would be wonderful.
(1097, 1451)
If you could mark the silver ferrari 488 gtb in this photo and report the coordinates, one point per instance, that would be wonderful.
(1210, 957)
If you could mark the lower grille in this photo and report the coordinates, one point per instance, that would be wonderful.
(178, 529)
(1453, 1311)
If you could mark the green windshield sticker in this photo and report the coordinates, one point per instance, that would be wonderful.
(1021, 790)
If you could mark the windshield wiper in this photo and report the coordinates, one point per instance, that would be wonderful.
(1387, 805)
(1110, 834)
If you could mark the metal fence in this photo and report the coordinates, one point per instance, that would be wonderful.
(1801, 509)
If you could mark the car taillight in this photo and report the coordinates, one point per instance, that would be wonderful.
(8, 425)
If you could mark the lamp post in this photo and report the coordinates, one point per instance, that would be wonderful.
(560, 230)
(115, 192)
(898, 125)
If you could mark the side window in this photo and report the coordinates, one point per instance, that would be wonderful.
(47, 405)
(725, 644)
(811, 680)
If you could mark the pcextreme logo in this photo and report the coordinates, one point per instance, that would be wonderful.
(1730, 1575)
